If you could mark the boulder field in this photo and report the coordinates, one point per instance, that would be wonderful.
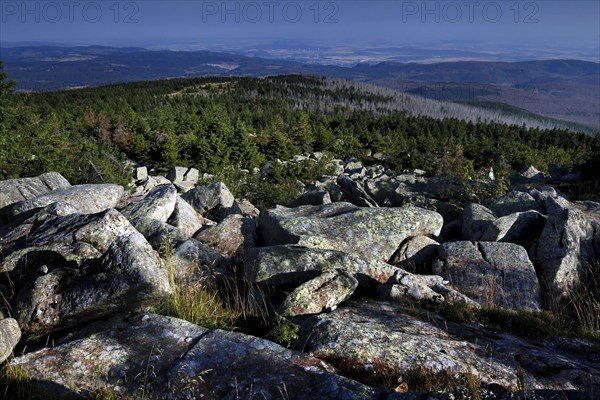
(360, 267)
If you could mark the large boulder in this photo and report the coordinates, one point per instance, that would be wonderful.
(186, 218)
(128, 277)
(320, 294)
(232, 237)
(210, 199)
(568, 243)
(521, 228)
(158, 357)
(476, 218)
(193, 259)
(313, 198)
(416, 254)
(86, 199)
(288, 264)
(158, 204)
(355, 192)
(368, 338)
(373, 234)
(514, 202)
(493, 274)
(10, 334)
(18, 190)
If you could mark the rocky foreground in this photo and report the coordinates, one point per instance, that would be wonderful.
(360, 262)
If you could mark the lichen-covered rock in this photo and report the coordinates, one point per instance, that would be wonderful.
(355, 193)
(493, 274)
(10, 334)
(158, 357)
(18, 190)
(186, 218)
(416, 254)
(193, 258)
(281, 265)
(520, 228)
(373, 234)
(514, 202)
(127, 277)
(231, 237)
(476, 219)
(158, 233)
(427, 289)
(569, 241)
(158, 204)
(313, 198)
(320, 294)
(86, 199)
(360, 336)
(206, 198)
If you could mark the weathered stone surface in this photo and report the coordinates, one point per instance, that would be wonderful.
(208, 197)
(158, 204)
(17, 190)
(357, 336)
(231, 237)
(140, 174)
(373, 234)
(493, 274)
(177, 174)
(159, 233)
(320, 294)
(280, 265)
(404, 286)
(476, 219)
(122, 355)
(185, 218)
(416, 254)
(10, 334)
(569, 241)
(128, 277)
(355, 193)
(247, 209)
(514, 202)
(312, 198)
(520, 228)
(87, 199)
(192, 258)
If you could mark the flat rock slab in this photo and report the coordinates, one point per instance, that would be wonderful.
(158, 357)
(373, 234)
(361, 335)
(86, 199)
(17, 190)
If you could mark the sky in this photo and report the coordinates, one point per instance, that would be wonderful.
(197, 24)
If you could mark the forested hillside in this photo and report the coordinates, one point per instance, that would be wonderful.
(211, 123)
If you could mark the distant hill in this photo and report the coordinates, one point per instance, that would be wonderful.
(560, 89)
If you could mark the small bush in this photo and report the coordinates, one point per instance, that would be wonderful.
(284, 332)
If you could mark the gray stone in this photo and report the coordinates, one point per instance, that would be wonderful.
(356, 337)
(140, 174)
(416, 254)
(476, 219)
(158, 204)
(193, 259)
(185, 218)
(514, 202)
(159, 234)
(354, 192)
(493, 274)
(320, 294)
(520, 228)
(312, 198)
(373, 234)
(232, 237)
(10, 334)
(158, 357)
(208, 197)
(568, 243)
(176, 174)
(86, 199)
(282, 265)
(128, 277)
(18, 190)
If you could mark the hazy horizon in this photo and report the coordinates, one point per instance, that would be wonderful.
(338, 31)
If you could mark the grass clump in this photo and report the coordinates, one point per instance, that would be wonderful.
(15, 384)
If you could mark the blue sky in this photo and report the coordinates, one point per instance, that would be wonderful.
(148, 23)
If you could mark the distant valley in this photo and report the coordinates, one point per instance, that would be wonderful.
(567, 90)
